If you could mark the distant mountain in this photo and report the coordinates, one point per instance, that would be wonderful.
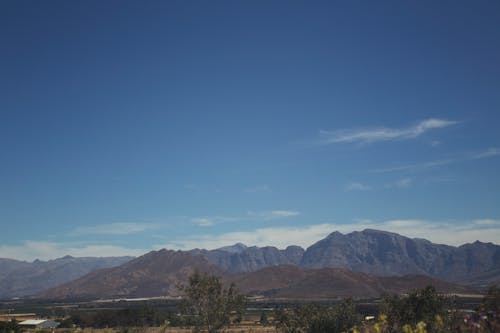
(385, 253)
(156, 273)
(369, 251)
(372, 252)
(249, 259)
(159, 273)
(21, 278)
(9, 265)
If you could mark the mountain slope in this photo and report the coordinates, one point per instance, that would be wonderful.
(384, 253)
(294, 283)
(159, 274)
(20, 278)
(156, 273)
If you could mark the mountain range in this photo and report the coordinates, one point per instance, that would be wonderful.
(159, 273)
(21, 278)
(368, 262)
(369, 251)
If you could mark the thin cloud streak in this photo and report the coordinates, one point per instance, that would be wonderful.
(401, 183)
(120, 228)
(203, 221)
(209, 221)
(491, 152)
(273, 214)
(486, 153)
(371, 135)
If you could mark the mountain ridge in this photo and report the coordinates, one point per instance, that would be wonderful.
(370, 251)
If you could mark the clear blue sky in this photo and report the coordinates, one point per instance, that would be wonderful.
(128, 126)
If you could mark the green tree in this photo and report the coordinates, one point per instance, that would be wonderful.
(491, 301)
(215, 305)
(423, 305)
(9, 327)
(264, 321)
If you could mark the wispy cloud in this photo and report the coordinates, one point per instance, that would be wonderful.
(208, 221)
(357, 187)
(401, 183)
(31, 250)
(273, 214)
(203, 221)
(371, 135)
(274, 236)
(448, 232)
(398, 184)
(486, 222)
(490, 152)
(120, 228)
(416, 167)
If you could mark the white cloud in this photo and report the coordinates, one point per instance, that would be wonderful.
(486, 222)
(401, 183)
(442, 232)
(490, 152)
(272, 236)
(121, 228)
(208, 221)
(203, 221)
(451, 233)
(31, 250)
(371, 135)
(357, 187)
(273, 214)
(417, 166)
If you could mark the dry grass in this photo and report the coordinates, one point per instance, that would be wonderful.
(239, 329)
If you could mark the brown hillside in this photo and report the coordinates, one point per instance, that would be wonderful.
(295, 283)
(157, 273)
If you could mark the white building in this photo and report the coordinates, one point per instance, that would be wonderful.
(39, 323)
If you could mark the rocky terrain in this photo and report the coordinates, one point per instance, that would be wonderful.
(385, 253)
(249, 259)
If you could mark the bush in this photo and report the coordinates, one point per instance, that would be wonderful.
(313, 318)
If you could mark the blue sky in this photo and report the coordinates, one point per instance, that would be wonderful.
(131, 126)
